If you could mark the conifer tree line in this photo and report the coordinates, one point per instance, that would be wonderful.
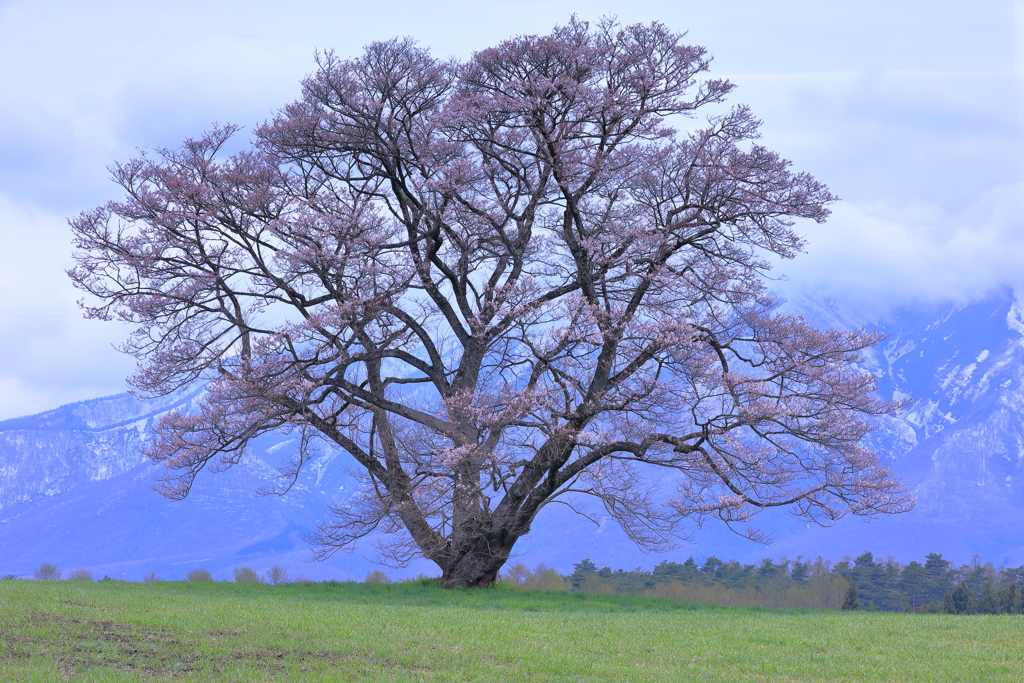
(861, 583)
(864, 582)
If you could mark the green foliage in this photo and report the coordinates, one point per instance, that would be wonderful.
(988, 604)
(960, 598)
(851, 600)
(1008, 602)
(580, 573)
(667, 571)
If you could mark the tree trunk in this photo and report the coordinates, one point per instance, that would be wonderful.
(478, 567)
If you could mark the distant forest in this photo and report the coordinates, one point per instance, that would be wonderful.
(936, 586)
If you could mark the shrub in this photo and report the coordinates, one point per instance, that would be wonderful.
(46, 572)
(246, 575)
(595, 585)
(543, 578)
(10, 576)
(377, 576)
(517, 575)
(80, 575)
(151, 577)
(199, 575)
(277, 574)
(422, 579)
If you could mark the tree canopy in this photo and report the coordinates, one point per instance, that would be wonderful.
(494, 283)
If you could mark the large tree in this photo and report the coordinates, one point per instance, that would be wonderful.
(493, 283)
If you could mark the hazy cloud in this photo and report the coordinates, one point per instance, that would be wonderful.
(873, 258)
(50, 355)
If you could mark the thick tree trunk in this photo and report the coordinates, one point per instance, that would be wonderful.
(479, 566)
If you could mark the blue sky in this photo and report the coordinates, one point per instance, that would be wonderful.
(912, 112)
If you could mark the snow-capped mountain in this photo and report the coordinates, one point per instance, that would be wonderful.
(959, 443)
(47, 454)
(74, 490)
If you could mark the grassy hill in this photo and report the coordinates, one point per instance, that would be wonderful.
(112, 631)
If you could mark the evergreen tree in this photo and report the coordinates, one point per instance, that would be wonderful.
(939, 578)
(914, 584)
(959, 601)
(581, 571)
(709, 572)
(735, 575)
(769, 570)
(975, 574)
(851, 601)
(1008, 598)
(669, 571)
(989, 603)
(800, 573)
(869, 578)
(887, 592)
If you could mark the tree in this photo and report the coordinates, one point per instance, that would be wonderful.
(80, 575)
(377, 576)
(277, 574)
(851, 601)
(940, 577)
(46, 572)
(199, 575)
(959, 601)
(581, 570)
(1008, 598)
(494, 284)
(800, 573)
(989, 603)
(246, 575)
(913, 583)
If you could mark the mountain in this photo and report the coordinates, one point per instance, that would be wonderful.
(75, 491)
(959, 444)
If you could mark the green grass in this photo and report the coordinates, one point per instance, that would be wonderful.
(52, 631)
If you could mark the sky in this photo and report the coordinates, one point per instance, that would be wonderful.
(911, 112)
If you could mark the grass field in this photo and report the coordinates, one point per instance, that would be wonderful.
(109, 631)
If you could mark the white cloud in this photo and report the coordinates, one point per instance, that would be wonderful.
(50, 355)
(876, 258)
